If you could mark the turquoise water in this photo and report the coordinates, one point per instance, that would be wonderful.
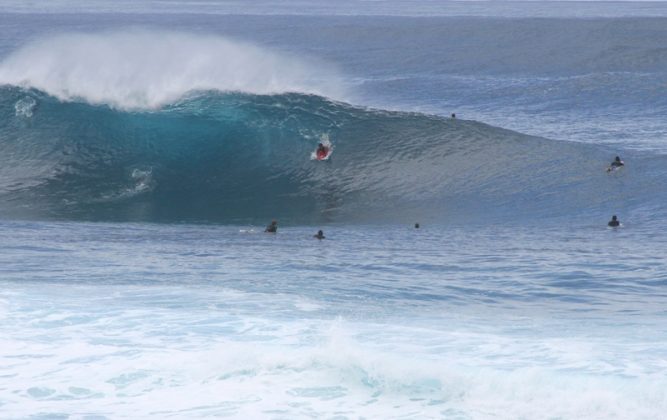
(145, 145)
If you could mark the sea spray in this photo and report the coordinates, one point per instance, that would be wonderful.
(147, 69)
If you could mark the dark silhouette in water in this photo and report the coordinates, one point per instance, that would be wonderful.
(416, 225)
(617, 163)
(322, 151)
(613, 222)
(453, 115)
(272, 228)
(319, 235)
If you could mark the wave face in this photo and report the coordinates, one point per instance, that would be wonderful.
(232, 157)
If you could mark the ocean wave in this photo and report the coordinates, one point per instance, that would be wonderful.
(136, 69)
(231, 157)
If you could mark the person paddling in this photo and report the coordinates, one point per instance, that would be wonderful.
(272, 228)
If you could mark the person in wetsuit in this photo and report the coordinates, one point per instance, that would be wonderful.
(272, 228)
(322, 151)
(614, 222)
(320, 235)
(617, 163)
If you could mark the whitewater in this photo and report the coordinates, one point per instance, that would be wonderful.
(145, 145)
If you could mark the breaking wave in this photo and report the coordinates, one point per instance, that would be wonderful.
(147, 69)
(165, 126)
(240, 157)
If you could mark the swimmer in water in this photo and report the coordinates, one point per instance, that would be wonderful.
(272, 228)
(614, 222)
(617, 163)
(319, 235)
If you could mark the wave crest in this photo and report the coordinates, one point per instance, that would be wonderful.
(147, 69)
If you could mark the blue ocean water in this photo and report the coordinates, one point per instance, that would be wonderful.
(145, 145)
(144, 320)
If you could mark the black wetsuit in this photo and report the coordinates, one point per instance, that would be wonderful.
(613, 223)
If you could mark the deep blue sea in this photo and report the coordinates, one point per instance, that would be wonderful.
(145, 145)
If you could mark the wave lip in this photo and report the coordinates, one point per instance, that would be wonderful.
(142, 69)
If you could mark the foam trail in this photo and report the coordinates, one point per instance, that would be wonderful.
(148, 69)
(24, 107)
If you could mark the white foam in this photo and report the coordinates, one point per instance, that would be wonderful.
(136, 358)
(147, 69)
(24, 107)
(4, 308)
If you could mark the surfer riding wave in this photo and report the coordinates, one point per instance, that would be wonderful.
(324, 149)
